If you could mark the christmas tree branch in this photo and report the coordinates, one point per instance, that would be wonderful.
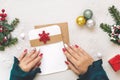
(105, 27)
(5, 31)
(115, 41)
(115, 13)
(13, 41)
(15, 22)
(2, 48)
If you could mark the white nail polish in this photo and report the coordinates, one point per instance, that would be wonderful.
(65, 45)
(71, 45)
(39, 49)
(33, 49)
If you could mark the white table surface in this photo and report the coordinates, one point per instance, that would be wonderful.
(35, 12)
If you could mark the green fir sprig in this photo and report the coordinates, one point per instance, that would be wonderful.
(115, 14)
(113, 30)
(6, 39)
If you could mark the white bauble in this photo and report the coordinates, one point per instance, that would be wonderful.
(119, 36)
(99, 55)
(22, 35)
(90, 23)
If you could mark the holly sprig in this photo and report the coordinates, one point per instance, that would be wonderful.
(113, 30)
(5, 31)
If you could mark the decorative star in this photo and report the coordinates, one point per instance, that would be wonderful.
(44, 37)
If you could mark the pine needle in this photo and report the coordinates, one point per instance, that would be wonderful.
(105, 28)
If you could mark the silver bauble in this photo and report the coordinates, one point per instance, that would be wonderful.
(88, 14)
(90, 23)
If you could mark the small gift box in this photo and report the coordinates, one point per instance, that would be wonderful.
(115, 62)
(50, 42)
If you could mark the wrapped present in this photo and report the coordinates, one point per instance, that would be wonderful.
(50, 42)
(115, 62)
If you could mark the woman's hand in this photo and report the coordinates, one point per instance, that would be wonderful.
(78, 59)
(28, 62)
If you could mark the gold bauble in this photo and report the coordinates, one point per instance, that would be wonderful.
(81, 20)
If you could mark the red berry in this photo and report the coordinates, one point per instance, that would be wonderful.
(3, 10)
(5, 15)
(1, 30)
(2, 19)
(5, 39)
(1, 15)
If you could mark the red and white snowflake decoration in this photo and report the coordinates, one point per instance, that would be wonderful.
(44, 37)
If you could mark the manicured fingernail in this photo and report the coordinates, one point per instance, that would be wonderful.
(65, 45)
(25, 50)
(76, 46)
(64, 49)
(34, 49)
(66, 62)
(41, 55)
(38, 50)
(71, 46)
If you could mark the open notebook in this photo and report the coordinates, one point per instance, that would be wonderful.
(53, 57)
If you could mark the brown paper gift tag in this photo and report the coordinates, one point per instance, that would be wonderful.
(64, 30)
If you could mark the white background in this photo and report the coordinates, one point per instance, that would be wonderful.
(35, 12)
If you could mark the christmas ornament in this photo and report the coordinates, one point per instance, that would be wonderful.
(88, 14)
(90, 23)
(81, 20)
(86, 19)
(5, 31)
(44, 37)
(115, 63)
(22, 35)
(99, 55)
(113, 30)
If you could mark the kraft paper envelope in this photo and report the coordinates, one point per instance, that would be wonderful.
(64, 30)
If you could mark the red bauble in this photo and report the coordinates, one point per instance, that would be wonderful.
(44, 37)
(115, 62)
